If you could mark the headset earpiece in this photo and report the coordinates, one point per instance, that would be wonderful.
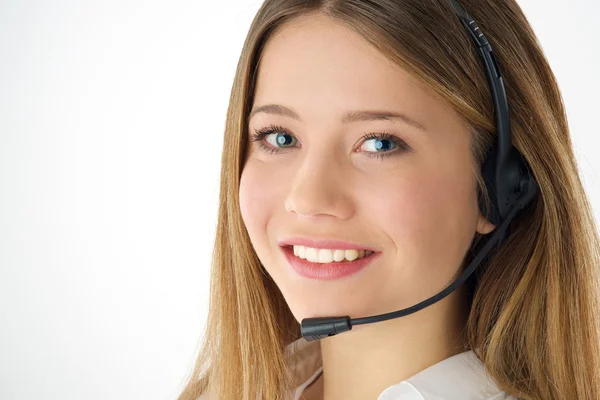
(508, 182)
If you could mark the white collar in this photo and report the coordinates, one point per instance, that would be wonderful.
(460, 377)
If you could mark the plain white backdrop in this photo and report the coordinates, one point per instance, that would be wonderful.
(111, 121)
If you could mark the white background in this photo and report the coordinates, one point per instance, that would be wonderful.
(111, 122)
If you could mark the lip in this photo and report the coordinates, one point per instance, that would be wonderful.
(327, 271)
(325, 244)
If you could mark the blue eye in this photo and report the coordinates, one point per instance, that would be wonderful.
(284, 139)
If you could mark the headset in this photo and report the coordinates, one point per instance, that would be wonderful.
(508, 180)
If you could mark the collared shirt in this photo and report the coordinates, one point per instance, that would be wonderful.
(460, 377)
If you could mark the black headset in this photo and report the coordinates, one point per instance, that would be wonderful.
(505, 171)
(508, 181)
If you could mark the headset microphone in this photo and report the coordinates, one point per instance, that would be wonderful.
(509, 183)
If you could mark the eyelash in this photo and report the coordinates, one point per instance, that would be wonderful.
(261, 133)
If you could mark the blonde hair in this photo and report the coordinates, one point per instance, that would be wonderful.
(534, 317)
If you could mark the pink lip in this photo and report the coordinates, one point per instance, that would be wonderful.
(327, 271)
(325, 244)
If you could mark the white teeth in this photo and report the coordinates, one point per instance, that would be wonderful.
(351, 255)
(339, 255)
(327, 255)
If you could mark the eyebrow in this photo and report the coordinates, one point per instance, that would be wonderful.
(347, 117)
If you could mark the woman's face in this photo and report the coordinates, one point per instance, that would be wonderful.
(417, 205)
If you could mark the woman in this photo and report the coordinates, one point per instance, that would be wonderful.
(357, 129)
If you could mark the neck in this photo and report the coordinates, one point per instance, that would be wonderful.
(362, 363)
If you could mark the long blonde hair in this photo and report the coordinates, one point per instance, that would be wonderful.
(534, 317)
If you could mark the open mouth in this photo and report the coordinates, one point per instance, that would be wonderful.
(368, 253)
(330, 270)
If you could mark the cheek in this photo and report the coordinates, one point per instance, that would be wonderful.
(407, 212)
(258, 195)
(430, 219)
(418, 206)
(253, 205)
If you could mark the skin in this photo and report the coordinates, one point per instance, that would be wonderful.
(418, 207)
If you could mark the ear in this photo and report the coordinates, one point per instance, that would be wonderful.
(484, 226)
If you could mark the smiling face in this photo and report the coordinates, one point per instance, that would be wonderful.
(412, 196)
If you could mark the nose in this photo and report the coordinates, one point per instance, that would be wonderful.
(320, 185)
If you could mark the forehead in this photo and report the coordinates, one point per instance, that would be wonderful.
(315, 63)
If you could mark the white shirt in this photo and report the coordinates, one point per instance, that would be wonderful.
(460, 377)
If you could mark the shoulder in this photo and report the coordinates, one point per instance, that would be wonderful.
(460, 377)
(406, 391)
(502, 396)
